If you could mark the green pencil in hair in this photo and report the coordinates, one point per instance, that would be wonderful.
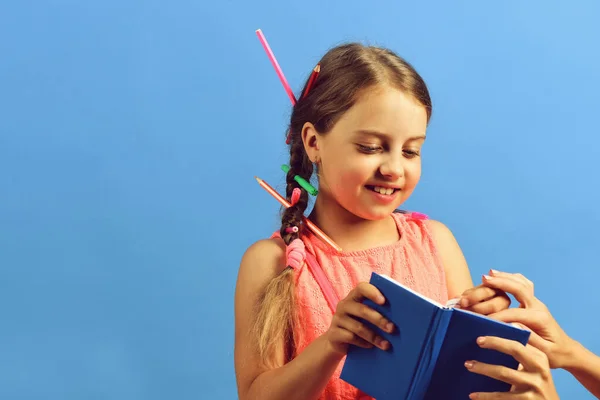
(301, 181)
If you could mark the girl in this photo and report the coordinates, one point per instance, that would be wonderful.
(361, 127)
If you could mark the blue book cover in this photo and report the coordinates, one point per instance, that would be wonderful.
(428, 349)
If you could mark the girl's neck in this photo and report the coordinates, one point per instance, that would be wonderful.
(349, 231)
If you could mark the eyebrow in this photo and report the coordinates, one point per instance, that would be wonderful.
(381, 135)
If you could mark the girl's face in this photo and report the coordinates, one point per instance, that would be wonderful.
(370, 161)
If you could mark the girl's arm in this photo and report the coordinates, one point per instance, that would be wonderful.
(458, 277)
(480, 299)
(306, 376)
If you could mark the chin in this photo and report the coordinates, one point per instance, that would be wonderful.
(375, 214)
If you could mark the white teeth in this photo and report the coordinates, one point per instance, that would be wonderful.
(382, 190)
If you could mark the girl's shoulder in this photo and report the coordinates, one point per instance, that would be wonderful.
(261, 262)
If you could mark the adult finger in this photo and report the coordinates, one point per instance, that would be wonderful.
(526, 356)
(516, 276)
(499, 372)
(522, 293)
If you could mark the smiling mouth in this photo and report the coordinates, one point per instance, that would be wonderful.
(382, 190)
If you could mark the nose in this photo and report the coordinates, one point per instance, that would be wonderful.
(392, 168)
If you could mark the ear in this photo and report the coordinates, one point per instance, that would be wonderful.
(310, 138)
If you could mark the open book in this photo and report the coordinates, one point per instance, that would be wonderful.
(429, 347)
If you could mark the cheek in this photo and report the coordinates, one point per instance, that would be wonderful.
(353, 173)
(413, 173)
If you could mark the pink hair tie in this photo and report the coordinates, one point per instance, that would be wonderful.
(295, 253)
(291, 229)
(295, 196)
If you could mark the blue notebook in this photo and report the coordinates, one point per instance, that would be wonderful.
(429, 347)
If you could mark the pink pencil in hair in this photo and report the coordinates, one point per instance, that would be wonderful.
(271, 56)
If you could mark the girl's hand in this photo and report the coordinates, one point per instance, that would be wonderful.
(532, 315)
(346, 329)
(533, 380)
(484, 300)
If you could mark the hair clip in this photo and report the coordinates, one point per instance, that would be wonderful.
(295, 196)
(291, 229)
(295, 253)
(301, 181)
(418, 216)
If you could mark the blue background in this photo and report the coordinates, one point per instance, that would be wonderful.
(130, 132)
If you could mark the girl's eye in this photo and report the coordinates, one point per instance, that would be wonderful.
(411, 153)
(369, 149)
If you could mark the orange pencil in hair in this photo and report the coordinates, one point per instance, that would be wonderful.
(315, 229)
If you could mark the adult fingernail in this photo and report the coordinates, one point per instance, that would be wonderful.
(493, 271)
(469, 364)
(389, 327)
(464, 302)
(480, 340)
(473, 395)
(487, 277)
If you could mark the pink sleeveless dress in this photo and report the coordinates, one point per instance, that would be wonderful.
(412, 261)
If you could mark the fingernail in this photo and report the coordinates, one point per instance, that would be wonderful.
(473, 395)
(464, 302)
(389, 327)
(487, 277)
(381, 299)
(480, 340)
(469, 364)
(384, 344)
(493, 271)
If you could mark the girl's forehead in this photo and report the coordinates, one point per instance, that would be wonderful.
(387, 111)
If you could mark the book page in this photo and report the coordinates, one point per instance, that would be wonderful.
(452, 302)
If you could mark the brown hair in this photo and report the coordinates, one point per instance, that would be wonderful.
(346, 71)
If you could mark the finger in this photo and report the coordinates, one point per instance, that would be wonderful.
(360, 310)
(500, 396)
(524, 355)
(538, 342)
(518, 317)
(345, 336)
(527, 317)
(476, 295)
(499, 372)
(365, 290)
(518, 276)
(494, 305)
(522, 293)
(360, 330)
